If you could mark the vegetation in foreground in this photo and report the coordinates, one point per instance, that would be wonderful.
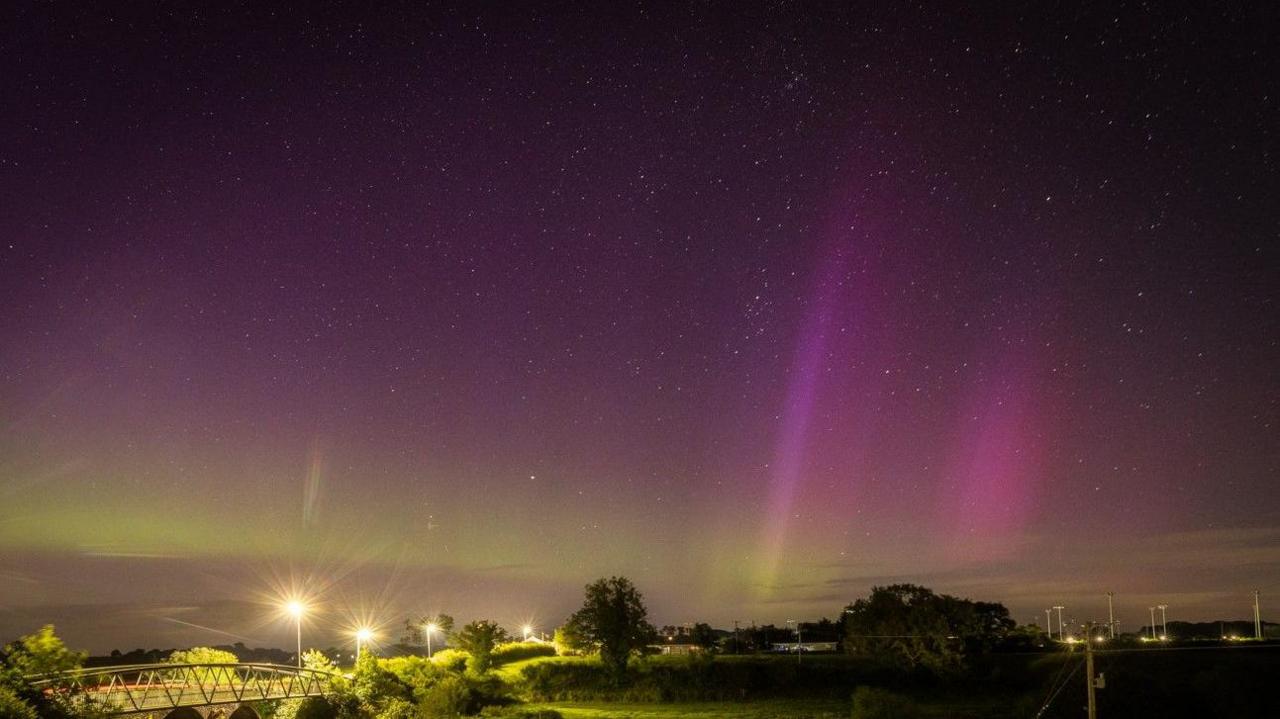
(913, 654)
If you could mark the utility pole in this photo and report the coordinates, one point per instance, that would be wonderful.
(1257, 617)
(1091, 685)
(1111, 616)
(1060, 633)
(735, 637)
(1153, 622)
(1164, 622)
(1048, 623)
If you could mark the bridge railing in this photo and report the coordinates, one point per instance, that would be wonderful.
(143, 687)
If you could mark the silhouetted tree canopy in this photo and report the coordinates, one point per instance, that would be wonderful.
(478, 639)
(915, 628)
(614, 620)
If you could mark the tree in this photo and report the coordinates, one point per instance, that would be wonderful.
(316, 659)
(478, 639)
(914, 627)
(373, 685)
(614, 619)
(415, 628)
(703, 636)
(202, 655)
(41, 652)
(567, 641)
(905, 624)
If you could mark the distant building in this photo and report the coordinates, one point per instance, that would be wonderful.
(805, 647)
(677, 649)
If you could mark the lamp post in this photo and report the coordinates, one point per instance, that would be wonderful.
(428, 629)
(1164, 622)
(1153, 622)
(1111, 615)
(1048, 622)
(1257, 616)
(362, 636)
(296, 609)
(1059, 608)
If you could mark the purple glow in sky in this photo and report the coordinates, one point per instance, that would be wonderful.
(457, 309)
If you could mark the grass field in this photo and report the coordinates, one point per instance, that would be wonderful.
(704, 710)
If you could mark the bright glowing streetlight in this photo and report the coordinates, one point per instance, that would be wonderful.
(296, 609)
(528, 632)
(428, 629)
(362, 635)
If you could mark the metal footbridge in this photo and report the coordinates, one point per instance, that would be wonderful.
(161, 688)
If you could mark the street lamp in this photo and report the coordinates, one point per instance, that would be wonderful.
(528, 631)
(362, 636)
(296, 609)
(429, 628)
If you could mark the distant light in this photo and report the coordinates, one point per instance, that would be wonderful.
(1099, 639)
(1164, 638)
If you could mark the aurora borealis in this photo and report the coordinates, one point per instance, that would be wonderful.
(457, 309)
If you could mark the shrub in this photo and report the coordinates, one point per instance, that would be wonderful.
(449, 697)
(398, 709)
(12, 707)
(312, 708)
(519, 651)
(453, 660)
(418, 673)
(873, 703)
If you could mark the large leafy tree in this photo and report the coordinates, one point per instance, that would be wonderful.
(913, 627)
(202, 655)
(478, 639)
(613, 619)
(704, 636)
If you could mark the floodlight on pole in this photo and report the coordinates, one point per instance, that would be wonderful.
(296, 609)
(1059, 609)
(428, 629)
(1164, 622)
(1048, 622)
(528, 631)
(1111, 615)
(362, 636)
(1153, 622)
(1257, 617)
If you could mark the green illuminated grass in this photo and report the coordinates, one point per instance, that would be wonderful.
(703, 710)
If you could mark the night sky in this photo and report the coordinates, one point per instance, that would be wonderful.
(459, 309)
